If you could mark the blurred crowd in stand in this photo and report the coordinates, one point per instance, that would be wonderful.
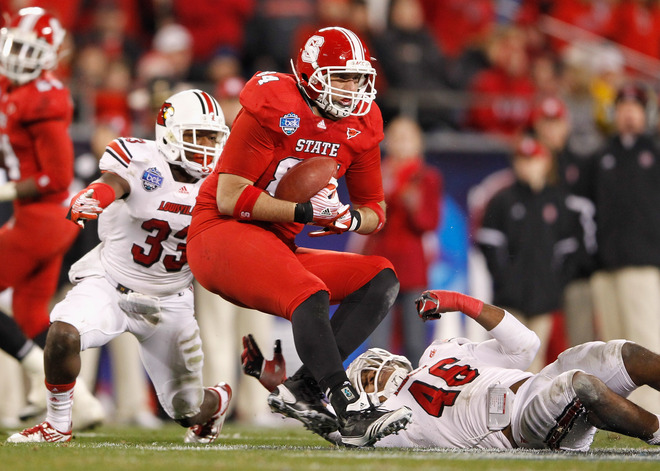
(559, 76)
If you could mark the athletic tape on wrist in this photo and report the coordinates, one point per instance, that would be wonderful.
(246, 202)
(375, 207)
(356, 220)
(469, 305)
(103, 193)
(304, 213)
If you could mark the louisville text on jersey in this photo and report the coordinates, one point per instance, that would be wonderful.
(176, 208)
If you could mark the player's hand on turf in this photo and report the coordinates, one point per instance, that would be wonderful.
(329, 212)
(270, 373)
(84, 207)
(428, 306)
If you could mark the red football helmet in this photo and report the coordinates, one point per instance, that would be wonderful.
(331, 51)
(29, 44)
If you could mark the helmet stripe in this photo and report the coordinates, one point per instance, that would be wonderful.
(28, 22)
(356, 44)
(208, 103)
(202, 103)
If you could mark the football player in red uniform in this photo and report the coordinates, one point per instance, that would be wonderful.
(241, 240)
(35, 113)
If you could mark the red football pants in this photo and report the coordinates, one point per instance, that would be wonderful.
(250, 266)
(32, 246)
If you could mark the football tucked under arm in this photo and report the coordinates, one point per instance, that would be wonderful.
(305, 179)
(270, 373)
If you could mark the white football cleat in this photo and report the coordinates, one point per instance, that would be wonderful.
(209, 431)
(41, 433)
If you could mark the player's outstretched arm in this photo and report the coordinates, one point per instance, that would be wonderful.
(513, 345)
(90, 202)
(433, 303)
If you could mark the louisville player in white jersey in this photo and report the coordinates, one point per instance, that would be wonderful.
(137, 279)
(477, 395)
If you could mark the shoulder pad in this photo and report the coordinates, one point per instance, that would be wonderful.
(43, 99)
(121, 152)
(270, 92)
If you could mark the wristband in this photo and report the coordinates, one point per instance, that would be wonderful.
(304, 213)
(246, 202)
(375, 207)
(356, 220)
(103, 193)
(468, 305)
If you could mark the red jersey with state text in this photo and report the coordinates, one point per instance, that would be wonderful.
(34, 119)
(275, 130)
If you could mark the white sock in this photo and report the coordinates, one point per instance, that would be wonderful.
(655, 440)
(60, 403)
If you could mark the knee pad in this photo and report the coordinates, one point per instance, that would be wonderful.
(190, 347)
(186, 403)
(588, 388)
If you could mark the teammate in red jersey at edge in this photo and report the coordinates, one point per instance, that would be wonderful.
(35, 113)
(241, 240)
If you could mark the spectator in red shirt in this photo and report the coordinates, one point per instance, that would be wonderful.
(502, 94)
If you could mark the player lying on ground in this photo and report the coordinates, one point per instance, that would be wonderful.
(477, 395)
(137, 279)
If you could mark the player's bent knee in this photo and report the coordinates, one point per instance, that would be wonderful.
(637, 361)
(590, 390)
(389, 281)
(63, 339)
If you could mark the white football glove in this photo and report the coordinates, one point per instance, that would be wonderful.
(328, 210)
(85, 207)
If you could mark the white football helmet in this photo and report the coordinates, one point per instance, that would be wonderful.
(190, 110)
(29, 44)
(331, 51)
(378, 359)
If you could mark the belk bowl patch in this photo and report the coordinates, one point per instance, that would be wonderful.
(289, 123)
(152, 179)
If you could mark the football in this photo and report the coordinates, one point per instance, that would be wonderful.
(305, 179)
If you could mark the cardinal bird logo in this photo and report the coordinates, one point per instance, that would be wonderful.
(166, 112)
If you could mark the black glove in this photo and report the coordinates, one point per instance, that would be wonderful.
(427, 306)
(270, 373)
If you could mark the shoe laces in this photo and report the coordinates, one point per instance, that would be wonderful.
(307, 389)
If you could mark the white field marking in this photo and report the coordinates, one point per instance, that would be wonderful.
(602, 454)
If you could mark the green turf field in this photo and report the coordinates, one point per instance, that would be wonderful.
(293, 448)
